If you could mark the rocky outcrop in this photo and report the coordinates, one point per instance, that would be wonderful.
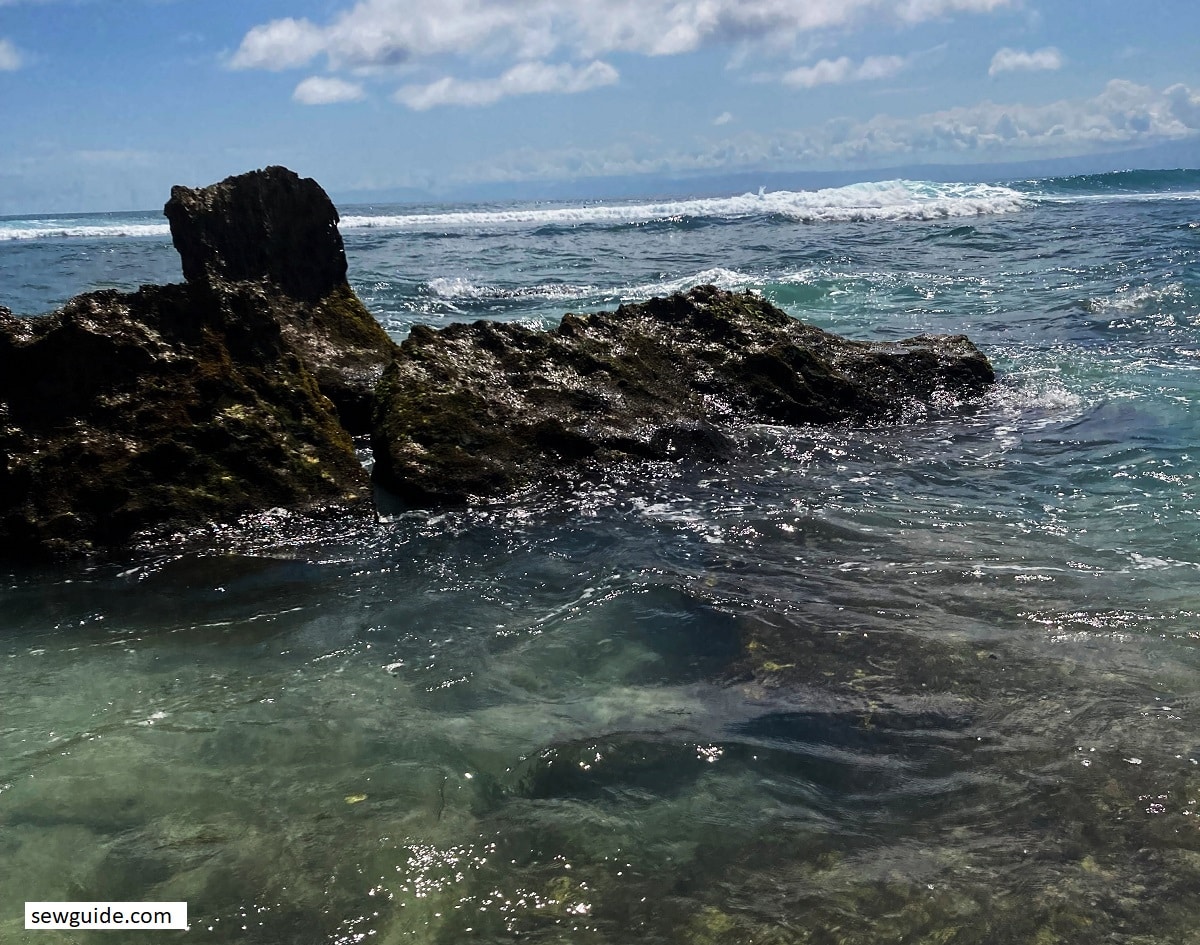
(126, 413)
(481, 409)
(275, 227)
(158, 409)
(270, 224)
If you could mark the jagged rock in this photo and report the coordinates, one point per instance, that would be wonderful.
(161, 408)
(274, 226)
(270, 224)
(481, 409)
(176, 405)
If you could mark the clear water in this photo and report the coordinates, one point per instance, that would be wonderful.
(929, 683)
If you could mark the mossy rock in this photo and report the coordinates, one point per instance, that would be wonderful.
(159, 409)
(482, 409)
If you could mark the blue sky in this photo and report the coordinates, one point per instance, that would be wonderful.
(107, 103)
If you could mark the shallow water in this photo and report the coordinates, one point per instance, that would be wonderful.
(935, 682)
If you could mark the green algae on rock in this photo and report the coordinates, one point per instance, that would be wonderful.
(484, 408)
(275, 227)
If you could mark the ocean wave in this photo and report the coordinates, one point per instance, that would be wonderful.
(458, 289)
(801, 285)
(1146, 184)
(52, 231)
(1167, 298)
(722, 278)
(894, 200)
(878, 201)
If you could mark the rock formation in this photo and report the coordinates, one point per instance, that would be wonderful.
(480, 409)
(177, 405)
(130, 413)
(275, 227)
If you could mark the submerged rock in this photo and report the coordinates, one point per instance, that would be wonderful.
(177, 405)
(481, 409)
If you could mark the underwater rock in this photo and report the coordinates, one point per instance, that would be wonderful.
(482, 409)
(172, 406)
(276, 227)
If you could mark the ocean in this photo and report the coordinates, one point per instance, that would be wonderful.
(934, 682)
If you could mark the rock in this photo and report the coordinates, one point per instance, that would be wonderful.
(158, 409)
(274, 226)
(269, 224)
(482, 409)
(132, 413)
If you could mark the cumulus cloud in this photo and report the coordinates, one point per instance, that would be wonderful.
(723, 119)
(1122, 115)
(526, 78)
(326, 90)
(10, 57)
(374, 34)
(1016, 60)
(280, 44)
(1184, 105)
(836, 71)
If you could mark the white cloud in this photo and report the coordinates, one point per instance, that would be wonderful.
(1123, 115)
(10, 57)
(326, 90)
(1013, 60)
(526, 78)
(836, 71)
(280, 44)
(723, 119)
(914, 11)
(1184, 105)
(386, 32)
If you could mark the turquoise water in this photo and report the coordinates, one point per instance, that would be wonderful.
(933, 683)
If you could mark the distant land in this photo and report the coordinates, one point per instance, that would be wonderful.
(1182, 154)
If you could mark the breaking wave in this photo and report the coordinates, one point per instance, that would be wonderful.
(882, 200)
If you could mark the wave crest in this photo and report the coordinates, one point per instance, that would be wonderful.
(883, 200)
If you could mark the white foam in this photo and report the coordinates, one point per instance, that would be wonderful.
(459, 288)
(876, 201)
(1170, 196)
(882, 200)
(1129, 299)
(722, 278)
(52, 231)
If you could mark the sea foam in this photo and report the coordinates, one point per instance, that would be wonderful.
(893, 200)
(884, 200)
(26, 230)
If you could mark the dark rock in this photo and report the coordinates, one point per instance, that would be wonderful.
(270, 224)
(481, 409)
(177, 405)
(274, 226)
(158, 409)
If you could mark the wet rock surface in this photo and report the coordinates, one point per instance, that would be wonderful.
(156, 409)
(482, 409)
(135, 414)
(270, 224)
(275, 227)
(130, 413)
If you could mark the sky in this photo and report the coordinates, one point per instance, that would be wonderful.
(108, 103)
